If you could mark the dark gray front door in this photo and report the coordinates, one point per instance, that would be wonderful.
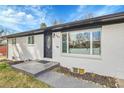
(48, 45)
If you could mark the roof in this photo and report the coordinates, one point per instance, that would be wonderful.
(102, 20)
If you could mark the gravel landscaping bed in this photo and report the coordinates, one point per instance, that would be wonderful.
(106, 81)
(14, 62)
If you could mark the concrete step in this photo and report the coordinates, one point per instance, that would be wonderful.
(35, 68)
(48, 68)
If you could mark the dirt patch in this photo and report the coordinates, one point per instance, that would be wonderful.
(100, 79)
(14, 62)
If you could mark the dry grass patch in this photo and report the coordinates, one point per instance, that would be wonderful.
(2, 58)
(13, 79)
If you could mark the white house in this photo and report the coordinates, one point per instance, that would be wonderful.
(95, 44)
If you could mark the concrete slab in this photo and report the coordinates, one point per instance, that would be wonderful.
(33, 67)
(58, 80)
(121, 83)
(54, 79)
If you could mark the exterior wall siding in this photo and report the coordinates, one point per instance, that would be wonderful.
(24, 51)
(113, 49)
(110, 63)
(88, 62)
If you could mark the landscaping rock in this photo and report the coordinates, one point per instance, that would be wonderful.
(106, 81)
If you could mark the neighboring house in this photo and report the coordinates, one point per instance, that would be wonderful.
(3, 48)
(95, 44)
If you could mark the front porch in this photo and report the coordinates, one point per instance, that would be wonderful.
(41, 70)
(35, 67)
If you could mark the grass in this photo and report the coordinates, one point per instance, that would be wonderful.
(9, 78)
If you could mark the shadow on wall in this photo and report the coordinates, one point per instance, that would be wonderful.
(23, 52)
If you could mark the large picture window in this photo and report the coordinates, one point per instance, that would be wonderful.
(81, 42)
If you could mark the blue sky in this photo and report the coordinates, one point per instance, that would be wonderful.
(24, 18)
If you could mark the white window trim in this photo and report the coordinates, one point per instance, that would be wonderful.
(97, 57)
(91, 43)
(67, 44)
(90, 56)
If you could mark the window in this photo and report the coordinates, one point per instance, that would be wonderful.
(13, 40)
(64, 43)
(81, 42)
(96, 43)
(30, 39)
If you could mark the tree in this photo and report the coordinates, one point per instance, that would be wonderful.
(43, 25)
(57, 22)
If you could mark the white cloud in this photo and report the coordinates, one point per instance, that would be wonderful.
(22, 18)
(78, 13)
(20, 14)
(8, 12)
(82, 11)
(81, 7)
(11, 16)
(30, 17)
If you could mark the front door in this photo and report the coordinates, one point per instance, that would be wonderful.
(48, 45)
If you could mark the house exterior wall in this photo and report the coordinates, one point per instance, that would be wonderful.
(113, 49)
(10, 49)
(111, 61)
(24, 51)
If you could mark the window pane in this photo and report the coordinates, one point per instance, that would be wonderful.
(30, 39)
(14, 41)
(64, 42)
(79, 42)
(96, 43)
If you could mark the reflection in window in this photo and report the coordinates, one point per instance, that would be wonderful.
(79, 42)
(82, 42)
(96, 43)
(64, 43)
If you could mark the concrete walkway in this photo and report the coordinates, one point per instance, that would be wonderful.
(34, 68)
(42, 72)
(58, 80)
(121, 83)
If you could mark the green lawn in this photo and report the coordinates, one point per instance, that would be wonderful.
(9, 78)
